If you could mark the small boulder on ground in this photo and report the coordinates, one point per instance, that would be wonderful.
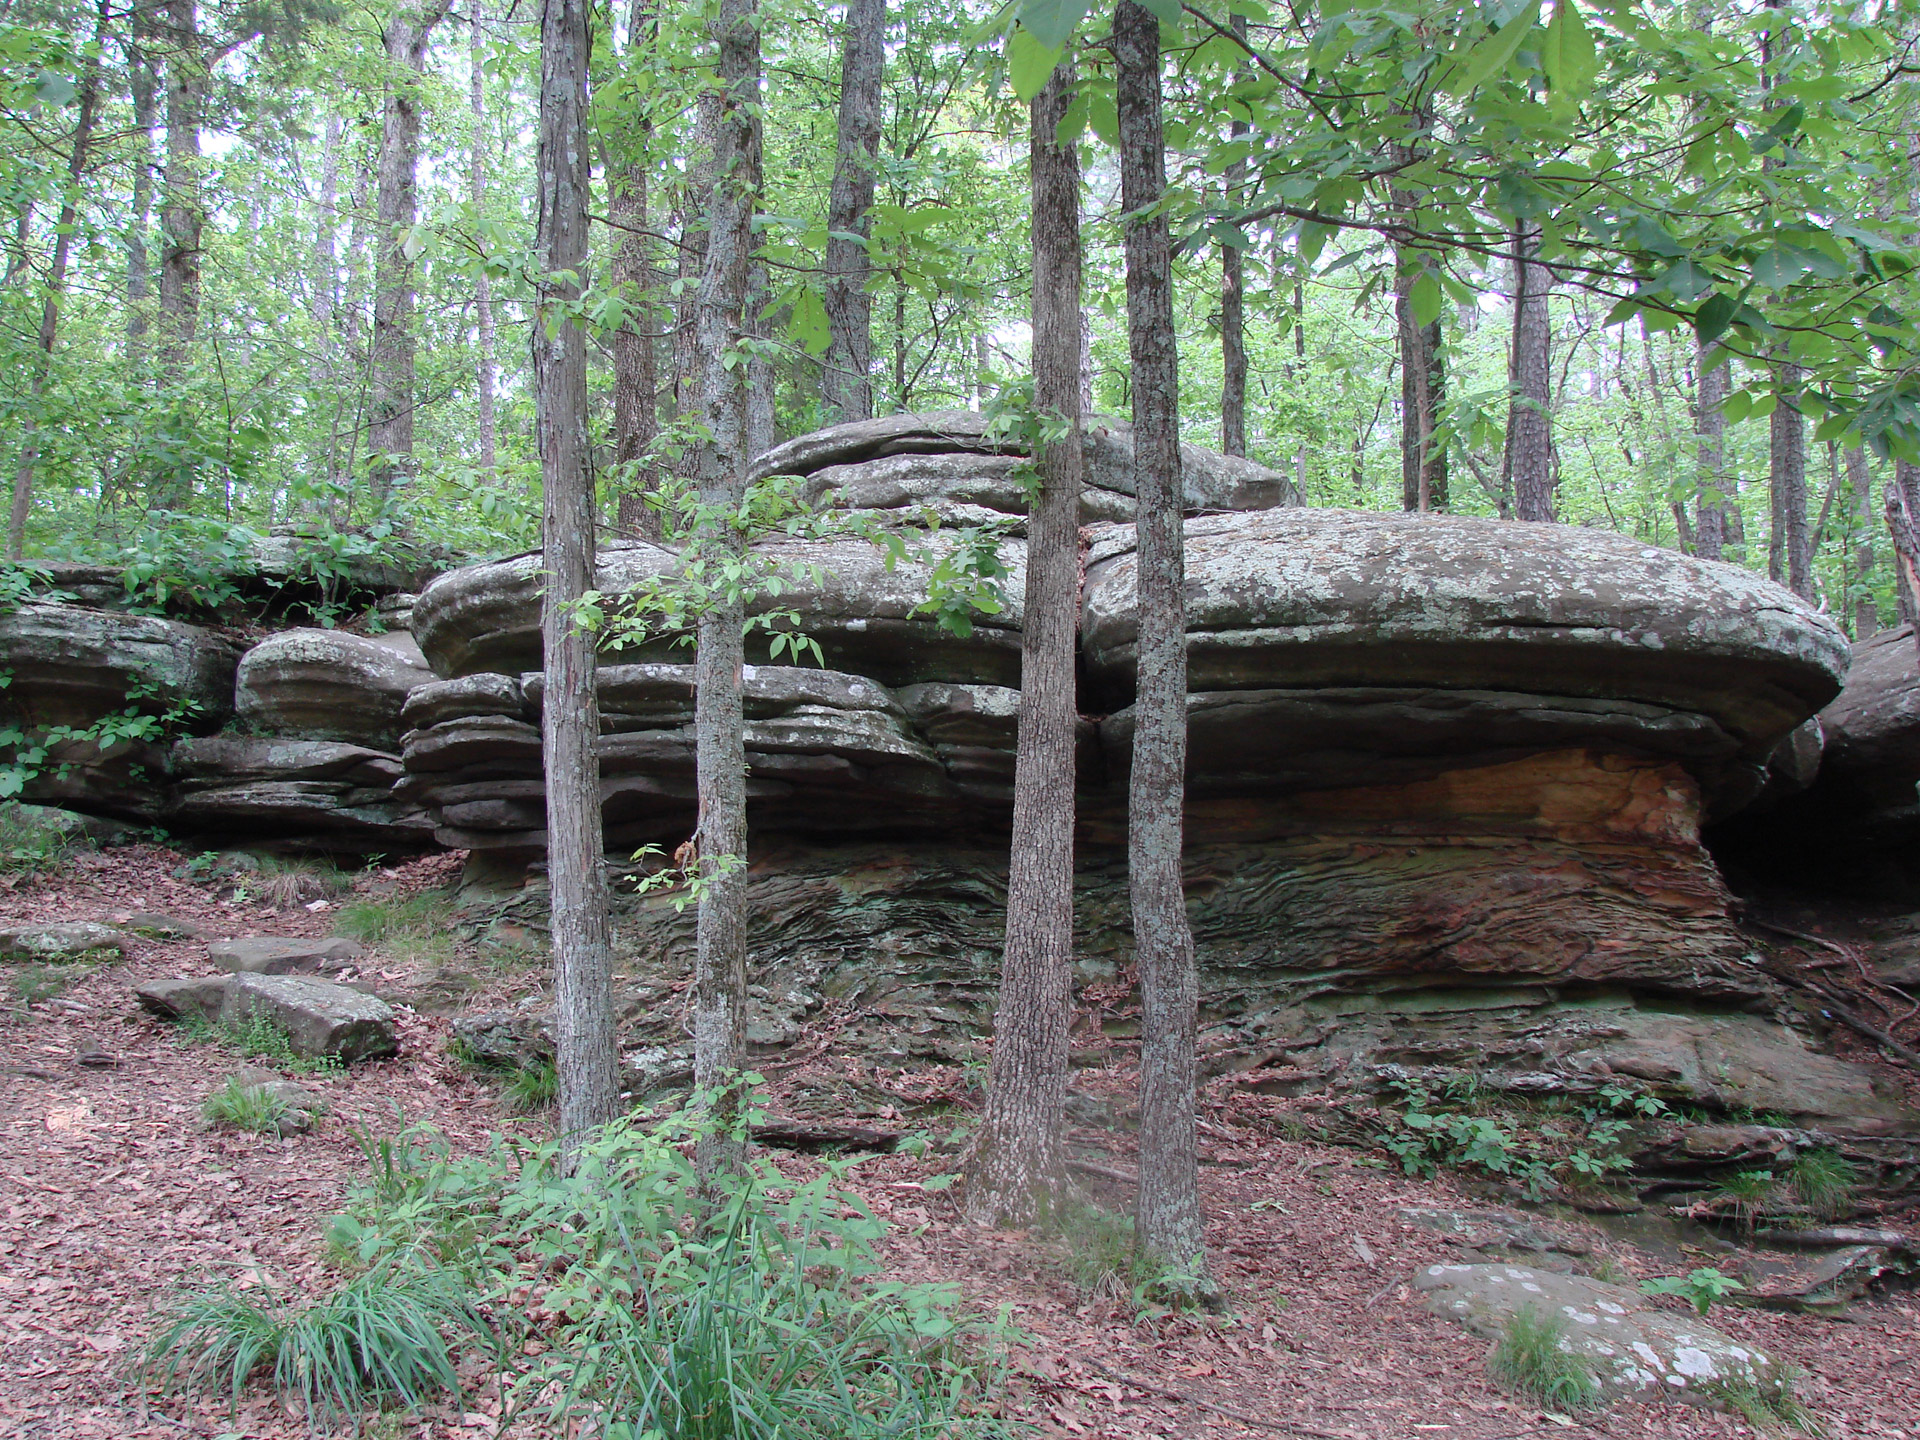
(302, 1104)
(280, 955)
(67, 941)
(63, 827)
(1636, 1353)
(177, 999)
(318, 1016)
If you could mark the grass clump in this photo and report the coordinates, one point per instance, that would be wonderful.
(30, 848)
(530, 1089)
(1103, 1258)
(1825, 1181)
(1531, 1360)
(255, 1038)
(416, 928)
(1770, 1409)
(1745, 1195)
(249, 1107)
(33, 984)
(389, 1334)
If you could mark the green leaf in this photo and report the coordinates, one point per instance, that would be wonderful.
(807, 322)
(1426, 300)
(1568, 56)
(1714, 315)
(1497, 50)
(1052, 23)
(1167, 12)
(1030, 64)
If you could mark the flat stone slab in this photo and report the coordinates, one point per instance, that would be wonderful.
(66, 941)
(177, 999)
(318, 1016)
(1821, 1283)
(1637, 1353)
(277, 955)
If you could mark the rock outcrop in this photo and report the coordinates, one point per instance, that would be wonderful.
(315, 794)
(329, 685)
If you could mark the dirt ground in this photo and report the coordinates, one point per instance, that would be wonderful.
(111, 1194)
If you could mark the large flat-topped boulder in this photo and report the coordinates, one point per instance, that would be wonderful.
(901, 459)
(71, 666)
(320, 793)
(329, 685)
(864, 614)
(1311, 598)
(1873, 726)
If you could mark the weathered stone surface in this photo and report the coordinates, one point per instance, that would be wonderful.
(302, 1105)
(65, 941)
(319, 1017)
(333, 794)
(1820, 1284)
(1212, 481)
(64, 827)
(329, 685)
(862, 614)
(1637, 1353)
(272, 955)
(1873, 726)
(70, 666)
(1311, 598)
(177, 999)
(960, 489)
(1504, 1231)
(471, 695)
(506, 1039)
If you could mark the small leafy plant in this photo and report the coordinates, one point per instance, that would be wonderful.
(1531, 1359)
(248, 1107)
(1702, 1288)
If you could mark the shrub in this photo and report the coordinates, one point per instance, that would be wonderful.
(1702, 1288)
(1531, 1359)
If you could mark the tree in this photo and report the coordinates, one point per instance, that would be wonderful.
(635, 378)
(721, 461)
(1529, 450)
(1233, 324)
(1423, 394)
(1017, 1166)
(1866, 615)
(1169, 1224)
(183, 217)
(570, 717)
(56, 283)
(845, 386)
(390, 419)
(487, 377)
(1789, 551)
(1713, 485)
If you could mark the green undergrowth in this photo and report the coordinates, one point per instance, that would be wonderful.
(621, 1298)
(31, 849)
(248, 1107)
(525, 1089)
(1770, 1409)
(1575, 1143)
(1531, 1360)
(1102, 1257)
(255, 1038)
(417, 928)
(35, 983)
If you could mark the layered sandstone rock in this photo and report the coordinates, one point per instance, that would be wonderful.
(329, 685)
(306, 793)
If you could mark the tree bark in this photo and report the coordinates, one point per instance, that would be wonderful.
(846, 387)
(696, 197)
(1233, 325)
(1866, 614)
(1168, 1222)
(326, 267)
(390, 412)
(183, 217)
(722, 458)
(1903, 526)
(636, 423)
(487, 378)
(1713, 501)
(570, 719)
(1529, 375)
(1017, 1166)
(1423, 381)
(1788, 473)
(761, 421)
(56, 284)
(144, 81)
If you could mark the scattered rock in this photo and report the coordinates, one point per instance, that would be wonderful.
(1822, 1283)
(1826, 1237)
(270, 955)
(177, 999)
(318, 1016)
(91, 1057)
(1637, 1353)
(67, 827)
(1497, 1231)
(66, 941)
(505, 1039)
(302, 1104)
(158, 926)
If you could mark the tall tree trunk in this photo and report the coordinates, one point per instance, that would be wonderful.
(761, 421)
(1423, 381)
(1709, 424)
(696, 198)
(636, 422)
(1866, 614)
(1018, 1162)
(1787, 470)
(144, 82)
(390, 418)
(570, 718)
(184, 215)
(1903, 525)
(487, 380)
(1529, 456)
(326, 286)
(846, 387)
(56, 283)
(1168, 1221)
(722, 458)
(1233, 324)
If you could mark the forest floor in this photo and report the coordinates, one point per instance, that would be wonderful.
(112, 1194)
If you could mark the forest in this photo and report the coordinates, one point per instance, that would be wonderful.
(823, 717)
